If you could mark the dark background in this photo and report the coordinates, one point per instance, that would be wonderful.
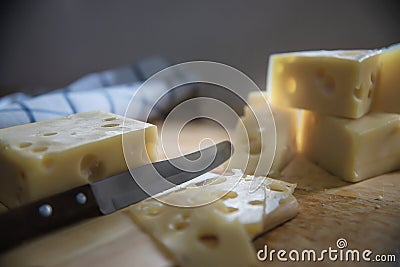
(49, 43)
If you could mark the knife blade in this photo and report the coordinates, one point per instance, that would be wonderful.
(107, 195)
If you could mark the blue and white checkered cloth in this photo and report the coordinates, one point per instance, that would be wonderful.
(108, 91)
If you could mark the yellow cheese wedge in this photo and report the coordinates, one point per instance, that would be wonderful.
(337, 83)
(353, 149)
(254, 144)
(387, 97)
(48, 157)
(218, 233)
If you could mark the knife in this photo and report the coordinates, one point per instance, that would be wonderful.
(107, 195)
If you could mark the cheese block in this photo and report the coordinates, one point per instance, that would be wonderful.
(387, 97)
(48, 157)
(223, 216)
(254, 144)
(337, 83)
(353, 149)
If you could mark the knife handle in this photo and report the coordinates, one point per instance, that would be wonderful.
(47, 214)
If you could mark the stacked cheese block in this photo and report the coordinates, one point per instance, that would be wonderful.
(348, 104)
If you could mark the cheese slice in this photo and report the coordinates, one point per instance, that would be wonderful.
(353, 149)
(387, 97)
(219, 232)
(250, 199)
(254, 144)
(48, 157)
(337, 83)
(201, 237)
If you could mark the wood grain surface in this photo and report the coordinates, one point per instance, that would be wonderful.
(366, 214)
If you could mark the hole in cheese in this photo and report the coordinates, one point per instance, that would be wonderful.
(232, 209)
(180, 222)
(179, 226)
(73, 133)
(277, 187)
(25, 144)
(256, 202)
(50, 134)
(210, 240)
(110, 119)
(110, 125)
(369, 93)
(329, 85)
(373, 78)
(91, 168)
(230, 194)
(358, 92)
(39, 149)
(227, 209)
(153, 209)
(372, 86)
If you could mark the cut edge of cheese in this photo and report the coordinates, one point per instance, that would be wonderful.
(287, 210)
(209, 232)
(48, 157)
(316, 80)
(388, 82)
(357, 149)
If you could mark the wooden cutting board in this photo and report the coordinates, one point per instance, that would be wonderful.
(366, 214)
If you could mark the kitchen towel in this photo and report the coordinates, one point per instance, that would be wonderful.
(109, 91)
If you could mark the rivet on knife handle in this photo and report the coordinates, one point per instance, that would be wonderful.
(46, 214)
